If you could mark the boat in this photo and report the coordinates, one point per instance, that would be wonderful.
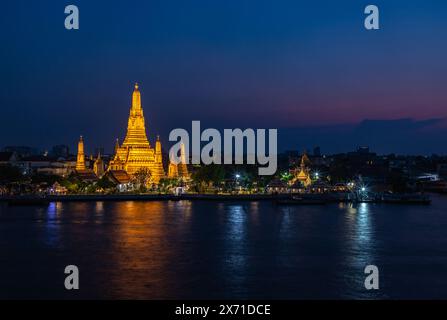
(406, 199)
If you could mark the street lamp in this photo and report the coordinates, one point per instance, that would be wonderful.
(237, 175)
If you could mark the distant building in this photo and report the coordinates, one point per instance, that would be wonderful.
(277, 186)
(21, 151)
(8, 158)
(58, 168)
(60, 151)
(363, 150)
(39, 164)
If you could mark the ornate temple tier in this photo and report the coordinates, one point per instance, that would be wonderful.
(136, 153)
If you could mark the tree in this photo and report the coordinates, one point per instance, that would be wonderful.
(45, 178)
(142, 178)
(72, 183)
(166, 184)
(105, 183)
(208, 176)
(9, 174)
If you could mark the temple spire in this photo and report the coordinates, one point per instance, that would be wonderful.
(80, 161)
(136, 98)
(136, 130)
(117, 144)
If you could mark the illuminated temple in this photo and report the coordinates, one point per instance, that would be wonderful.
(302, 174)
(136, 153)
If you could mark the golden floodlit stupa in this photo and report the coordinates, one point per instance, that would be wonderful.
(180, 170)
(136, 153)
(302, 174)
(80, 161)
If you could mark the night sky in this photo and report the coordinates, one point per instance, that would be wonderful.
(308, 68)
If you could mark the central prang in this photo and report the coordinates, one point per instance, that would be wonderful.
(136, 153)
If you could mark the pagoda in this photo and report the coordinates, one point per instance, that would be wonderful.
(82, 171)
(135, 152)
(302, 174)
(98, 166)
(80, 160)
(179, 170)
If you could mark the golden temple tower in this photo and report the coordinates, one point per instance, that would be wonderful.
(98, 166)
(172, 171)
(80, 161)
(135, 152)
(302, 174)
(179, 170)
(158, 171)
(181, 167)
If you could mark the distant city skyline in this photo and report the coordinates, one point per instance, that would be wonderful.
(308, 69)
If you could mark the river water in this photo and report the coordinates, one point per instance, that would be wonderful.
(217, 250)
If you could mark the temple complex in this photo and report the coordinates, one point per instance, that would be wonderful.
(135, 152)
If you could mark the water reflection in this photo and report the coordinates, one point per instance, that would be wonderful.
(234, 262)
(188, 250)
(141, 257)
(51, 210)
(360, 245)
(52, 225)
(360, 235)
(99, 207)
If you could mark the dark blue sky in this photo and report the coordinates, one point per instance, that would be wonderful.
(307, 68)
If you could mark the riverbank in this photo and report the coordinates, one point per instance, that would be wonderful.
(148, 197)
(280, 198)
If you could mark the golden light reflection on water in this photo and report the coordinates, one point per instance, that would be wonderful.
(140, 248)
(99, 207)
